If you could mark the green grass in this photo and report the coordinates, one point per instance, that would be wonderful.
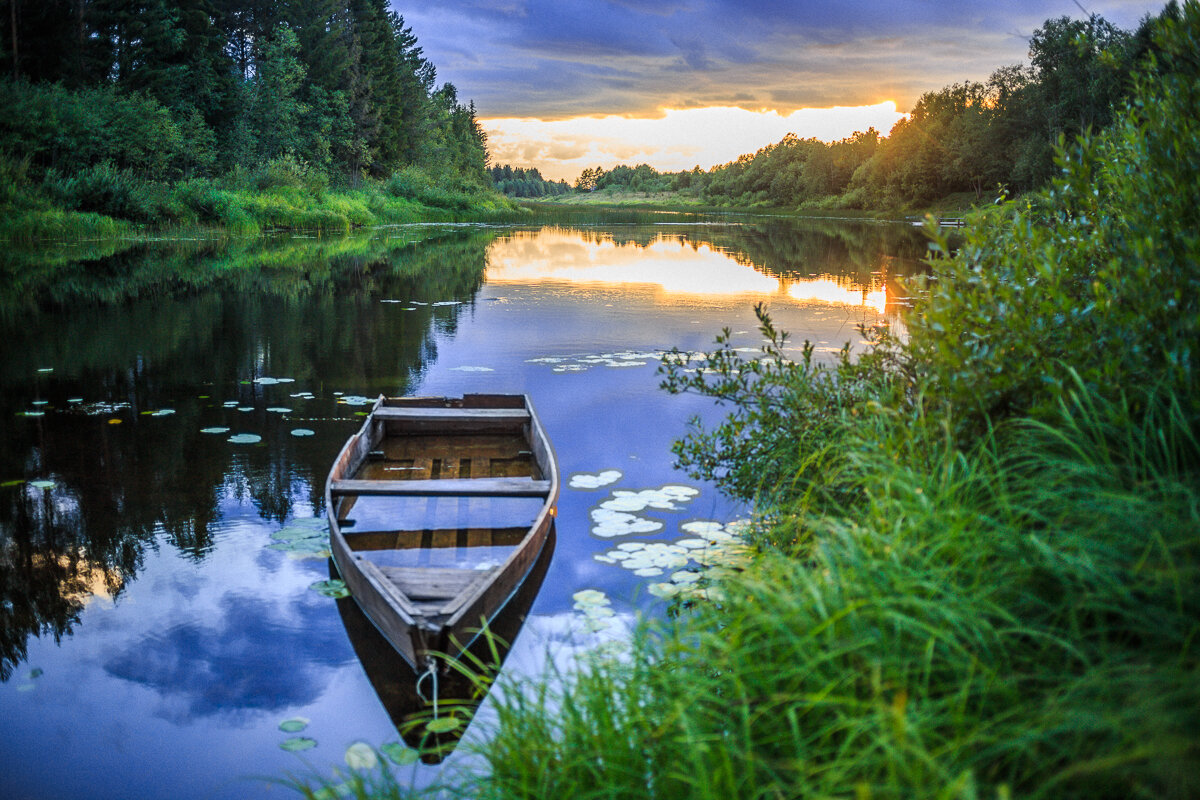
(1017, 621)
(109, 203)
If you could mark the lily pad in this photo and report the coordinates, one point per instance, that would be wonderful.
(310, 522)
(294, 725)
(33, 413)
(303, 432)
(17, 482)
(583, 480)
(472, 369)
(443, 724)
(331, 588)
(279, 410)
(214, 430)
(42, 484)
(46, 369)
(245, 438)
(360, 756)
(297, 743)
(400, 754)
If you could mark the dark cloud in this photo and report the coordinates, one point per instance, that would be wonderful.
(554, 59)
(249, 658)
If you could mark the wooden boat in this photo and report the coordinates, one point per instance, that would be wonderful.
(413, 702)
(452, 501)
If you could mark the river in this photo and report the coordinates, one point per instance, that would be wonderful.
(172, 408)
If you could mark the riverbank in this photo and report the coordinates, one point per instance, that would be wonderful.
(978, 549)
(957, 206)
(103, 203)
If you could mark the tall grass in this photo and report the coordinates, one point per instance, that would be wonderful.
(1018, 621)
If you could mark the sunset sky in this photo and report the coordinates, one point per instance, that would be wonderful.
(567, 84)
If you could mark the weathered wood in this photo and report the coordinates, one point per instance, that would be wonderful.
(455, 487)
(459, 452)
(410, 540)
(448, 417)
(434, 583)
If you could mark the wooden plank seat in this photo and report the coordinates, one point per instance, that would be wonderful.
(450, 416)
(434, 583)
(449, 487)
(420, 538)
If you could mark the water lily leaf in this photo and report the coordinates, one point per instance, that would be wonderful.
(583, 480)
(74, 399)
(310, 522)
(590, 597)
(42, 484)
(472, 369)
(114, 421)
(41, 402)
(400, 754)
(279, 410)
(245, 438)
(265, 381)
(33, 413)
(303, 432)
(230, 403)
(245, 408)
(297, 743)
(46, 369)
(360, 756)
(664, 590)
(334, 588)
(214, 430)
(17, 482)
(443, 725)
(294, 724)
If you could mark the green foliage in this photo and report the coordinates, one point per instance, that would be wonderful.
(980, 563)
(966, 631)
(789, 420)
(1096, 276)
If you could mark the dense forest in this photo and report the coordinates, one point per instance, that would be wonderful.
(518, 182)
(975, 138)
(107, 101)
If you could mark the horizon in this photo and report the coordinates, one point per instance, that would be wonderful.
(574, 84)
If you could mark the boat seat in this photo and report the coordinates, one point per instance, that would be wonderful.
(449, 487)
(434, 583)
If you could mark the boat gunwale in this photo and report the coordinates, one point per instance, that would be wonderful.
(456, 609)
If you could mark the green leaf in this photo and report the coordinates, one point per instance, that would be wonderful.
(331, 588)
(294, 724)
(297, 743)
(400, 754)
(443, 725)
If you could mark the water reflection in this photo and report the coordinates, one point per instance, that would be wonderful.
(410, 700)
(141, 542)
(121, 477)
(843, 265)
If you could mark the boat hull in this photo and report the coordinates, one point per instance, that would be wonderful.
(432, 613)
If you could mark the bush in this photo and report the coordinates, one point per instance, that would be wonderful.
(1095, 276)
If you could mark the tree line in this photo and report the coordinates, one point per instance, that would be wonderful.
(973, 137)
(194, 88)
(518, 182)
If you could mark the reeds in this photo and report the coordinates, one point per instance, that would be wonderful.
(1016, 621)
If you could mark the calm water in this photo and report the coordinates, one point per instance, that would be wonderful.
(151, 638)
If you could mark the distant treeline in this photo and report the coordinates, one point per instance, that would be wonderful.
(518, 182)
(324, 91)
(971, 137)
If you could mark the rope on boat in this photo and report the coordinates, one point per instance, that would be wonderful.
(431, 670)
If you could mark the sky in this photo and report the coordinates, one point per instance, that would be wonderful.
(566, 84)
